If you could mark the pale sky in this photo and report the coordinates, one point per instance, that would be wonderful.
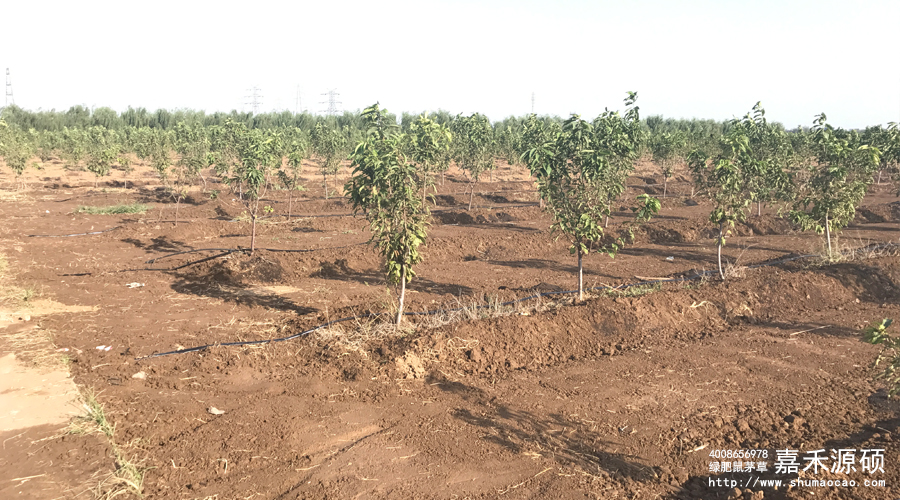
(686, 59)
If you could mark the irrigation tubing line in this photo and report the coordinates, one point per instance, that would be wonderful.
(508, 303)
(70, 235)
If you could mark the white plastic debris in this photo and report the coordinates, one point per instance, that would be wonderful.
(134, 285)
(139, 375)
(64, 349)
(104, 347)
(215, 411)
(670, 258)
(48, 211)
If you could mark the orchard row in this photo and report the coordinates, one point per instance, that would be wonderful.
(817, 176)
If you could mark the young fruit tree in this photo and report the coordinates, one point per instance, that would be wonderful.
(101, 151)
(767, 161)
(621, 138)
(424, 145)
(473, 147)
(15, 149)
(667, 151)
(722, 179)
(191, 142)
(289, 174)
(330, 147)
(837, 181)
(384, 187)
(254, 154)
(575, 177)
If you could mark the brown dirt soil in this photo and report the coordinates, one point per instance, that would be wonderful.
(623, 396)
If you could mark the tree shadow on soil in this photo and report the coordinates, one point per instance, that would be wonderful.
(547, 264)
(872, 284)
(341, 271)
(552, 436)
(237, 294)
(159, 244)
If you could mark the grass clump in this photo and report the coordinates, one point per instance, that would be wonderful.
(634, 291)
(128, 476)
(133, 208)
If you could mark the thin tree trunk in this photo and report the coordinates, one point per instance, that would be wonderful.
(608, 203)
(402, 293)
(580, 278)
(759, 209)
(719, 250)
(325, 184)
(252, 233)
(290, 202)
(665, 186)
(471, 195)
(177, 203)
(828, 234)
(879, 176)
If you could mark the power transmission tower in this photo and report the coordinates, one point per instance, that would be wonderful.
(255, 99)
(532, 103)
(331, 102)
(9, 95)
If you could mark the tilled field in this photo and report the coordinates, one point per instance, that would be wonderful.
(624, 396)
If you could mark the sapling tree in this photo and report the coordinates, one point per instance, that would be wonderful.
(383, 186)
(890, 352)
(575, 173)
(73, 145)
(766, 160)
(472, 147)
(15, 148)
(191, 142)
(667, 151)
(424, 145)
(838, 180)
(102, 149)
(330, 147)
(621, 138)
(256, 156)
(289, 174)
(722, 178)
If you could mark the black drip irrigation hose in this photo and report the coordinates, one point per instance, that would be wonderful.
(70, 235)
(624, 286)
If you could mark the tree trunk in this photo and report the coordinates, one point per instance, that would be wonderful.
(471, 195)
(325, 184)
(402, 293)
(828, 234)
(879, 176)
(759, 209)
(719, 250)
(252, 233)
(290, 202)
(580, 278)
(665, 186)
(177, 203)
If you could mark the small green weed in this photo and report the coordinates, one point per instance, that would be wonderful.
(134, 208)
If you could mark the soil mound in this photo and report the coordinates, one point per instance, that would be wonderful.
(245, 270)
(454, 217)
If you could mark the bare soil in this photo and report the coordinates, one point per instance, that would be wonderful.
(623, 396)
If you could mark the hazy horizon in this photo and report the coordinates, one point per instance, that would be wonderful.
(698, 59)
